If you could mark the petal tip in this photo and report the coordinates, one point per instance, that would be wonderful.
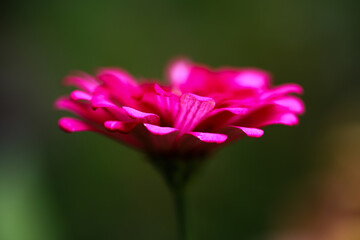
(209, 137)
(71, 125)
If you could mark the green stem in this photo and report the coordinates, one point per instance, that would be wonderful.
(178, 172)
(180, 207)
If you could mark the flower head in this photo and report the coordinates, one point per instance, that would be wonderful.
(199, 110)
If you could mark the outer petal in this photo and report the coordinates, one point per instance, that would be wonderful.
(83, 110)
(156, 139)
(74, 125)
(294, 104)
(121, 86)
(82, 81)
(267, 115)
(142, 116)
(101, 100)
(163, 138)
(235, 132)
(119, 81)
(209, 137)
(281, 91)
(220, 117)
(121, 126)
(80, 95)
(199, 143)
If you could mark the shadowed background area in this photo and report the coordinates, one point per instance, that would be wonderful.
(293, 182)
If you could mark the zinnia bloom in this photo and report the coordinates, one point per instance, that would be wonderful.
(199, 110)
(179, 123)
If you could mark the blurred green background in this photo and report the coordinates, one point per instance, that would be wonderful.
(55, 186)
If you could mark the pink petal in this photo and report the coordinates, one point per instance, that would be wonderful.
(120, 82)
(252, 132)
(235, 132)
(234, 111)
(160, 91)
(156, 139)
(282, 90)
(209, 137)
(192, 110)
(294, 104)
(161, 139)
(80, 95)
(167, 104)
(233, 94)
(123, 127)
(82, 109)
(74, 125)
(199, 143)
(220, 117)
(83, 81)
(267, 115)
(142, 116)
(157, 130)
(101, 100)
(187, 77)
(252, 78)
(162, 102)
(179, 72)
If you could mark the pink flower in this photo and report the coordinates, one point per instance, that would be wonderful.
(198, 111)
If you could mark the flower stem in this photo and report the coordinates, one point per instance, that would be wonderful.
(178, 173)
(180, 207)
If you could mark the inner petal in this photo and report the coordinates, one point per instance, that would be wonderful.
(192, 110)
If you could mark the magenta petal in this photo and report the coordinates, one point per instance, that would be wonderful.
(74, 125)
(235, 132)
(123, 127)
(116, 76)
(179, 72)
(156, 139)
(82, 81)
(142, 116)
(199, 143)
(220, 117)
(167, 104)
(289, 119)
(119, 81)
(101, 101)
(267, 115)
(157, 130)
(252, 132)
(192, 110)
(209, 137)
(64, 103)
(187, 77)
(252, 78)
(82, 109)
(163, 139)
(234, 111)
(160, 91)
(294, 104)
(281, 91)
(80, 95)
